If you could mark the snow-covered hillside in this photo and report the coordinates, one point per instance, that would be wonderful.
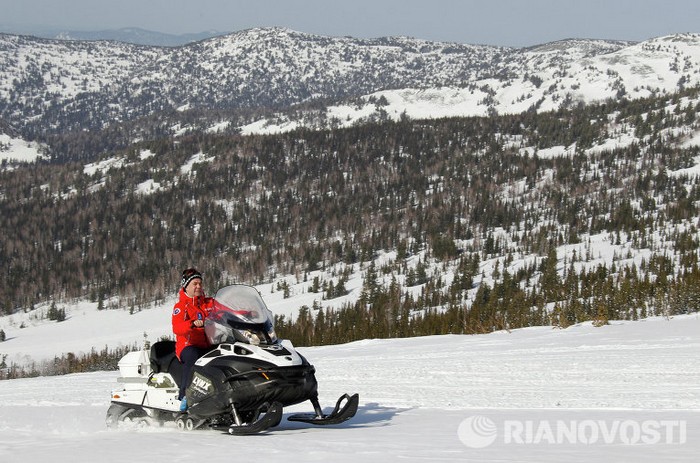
(17, 150)
(545, 78)
(72, 85)
(623, 392)
(33, 339)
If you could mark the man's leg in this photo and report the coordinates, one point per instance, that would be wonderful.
(188, 356)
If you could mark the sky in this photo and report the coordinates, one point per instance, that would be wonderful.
(516, 23)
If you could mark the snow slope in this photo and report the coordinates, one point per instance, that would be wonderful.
(545, 78)
(18, 150)
(630, 391)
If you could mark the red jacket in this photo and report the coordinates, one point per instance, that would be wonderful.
(186, 311)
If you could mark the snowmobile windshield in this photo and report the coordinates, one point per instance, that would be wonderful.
(239, 314)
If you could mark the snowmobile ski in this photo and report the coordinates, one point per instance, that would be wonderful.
(270, 418)
(339, 414)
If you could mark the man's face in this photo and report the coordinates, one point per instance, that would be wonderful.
(194, 288)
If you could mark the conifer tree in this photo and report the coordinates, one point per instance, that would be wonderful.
(550, 282)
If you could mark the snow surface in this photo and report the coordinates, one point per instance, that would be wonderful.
(194, 159)
(418, 398)
(18, 150)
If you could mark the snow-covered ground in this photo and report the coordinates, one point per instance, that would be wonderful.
(18, 150)
(629, 391)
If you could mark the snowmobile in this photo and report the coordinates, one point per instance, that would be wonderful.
(240, 386)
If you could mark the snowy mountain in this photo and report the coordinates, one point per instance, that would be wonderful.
(593, 213)
(50, 86)
(137, 206)
(253, 68)
(544, 78)
(444, 211)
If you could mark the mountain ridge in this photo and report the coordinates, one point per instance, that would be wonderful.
(50, 87)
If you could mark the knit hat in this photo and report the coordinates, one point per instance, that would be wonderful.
(189, 275)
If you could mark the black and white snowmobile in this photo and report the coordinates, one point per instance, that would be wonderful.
(240, 386)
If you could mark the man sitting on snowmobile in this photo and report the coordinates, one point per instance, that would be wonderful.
(188, 326)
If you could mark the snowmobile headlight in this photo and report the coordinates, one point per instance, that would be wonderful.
(251, 337)
(257, 337)
(273, 336)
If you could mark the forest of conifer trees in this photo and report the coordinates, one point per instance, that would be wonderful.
(452, 192)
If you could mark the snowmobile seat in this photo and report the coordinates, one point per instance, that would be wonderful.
(164, 360)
